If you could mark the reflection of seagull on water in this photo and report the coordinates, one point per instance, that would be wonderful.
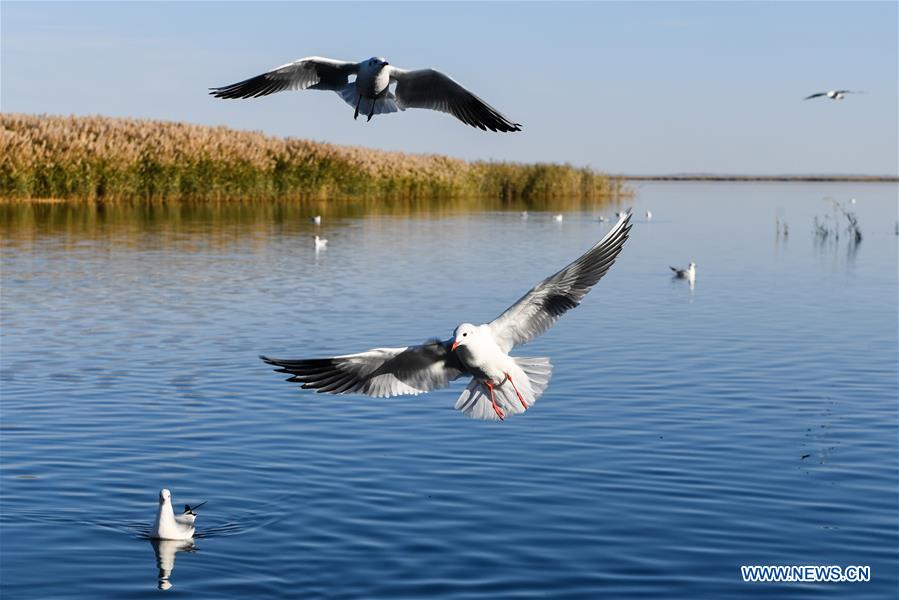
(500, 384)
(167, 526)
(370, 93)
(165, 558)
(832, 94)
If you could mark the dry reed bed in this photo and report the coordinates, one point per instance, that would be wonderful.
(108, 159)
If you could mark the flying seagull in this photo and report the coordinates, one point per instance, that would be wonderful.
(832, 94)
(370, 92)
(167, 525)
(500, 385)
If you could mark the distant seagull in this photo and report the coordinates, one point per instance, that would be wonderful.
(852, 201)
(316, 220)
(501, 385)
(648, 215)
(370, 92)
(320, 243)
(167, 526)
(558, 218)
(524, 214)
(620, 214)
(688, 273)
(603, 219)
(832, 94)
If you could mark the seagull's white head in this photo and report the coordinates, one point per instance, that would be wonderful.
(692, 266)
(377, 62)
(463, 335)
(165, 496)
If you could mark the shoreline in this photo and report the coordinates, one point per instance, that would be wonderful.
(764, 178)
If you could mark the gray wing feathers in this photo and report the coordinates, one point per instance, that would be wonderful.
(427, 88)
(536, 311)
(313, 72)
(382, 372)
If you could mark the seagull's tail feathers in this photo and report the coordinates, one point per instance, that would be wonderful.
(531, 377)
(383, 105)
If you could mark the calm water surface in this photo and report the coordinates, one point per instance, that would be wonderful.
(751, 420)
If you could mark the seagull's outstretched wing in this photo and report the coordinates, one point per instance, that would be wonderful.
(313, 72)
(818, 95)
(536, 311)
(382, 372)
(427, 88)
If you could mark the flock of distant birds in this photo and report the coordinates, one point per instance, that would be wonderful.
(688, 274)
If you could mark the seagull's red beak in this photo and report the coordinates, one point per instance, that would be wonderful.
(455, 345)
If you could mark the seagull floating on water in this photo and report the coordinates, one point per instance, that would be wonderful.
(603, 219)
(501, 385)
(320, 243)
(558, 218)
(648, 215)
(688, 273)
(316, 220)
(524, 214)
(832, 94)
(370, 93)
(167, 525)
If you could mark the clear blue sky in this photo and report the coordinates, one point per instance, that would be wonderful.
(637, 88)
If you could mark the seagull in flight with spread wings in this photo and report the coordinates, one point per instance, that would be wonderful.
(500, 385)
(832, 94)
(370, 93)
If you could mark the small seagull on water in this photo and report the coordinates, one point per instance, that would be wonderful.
(648, 215)
(370, 92)
(688, 273)
(832, 94)
(167, 525)
(603, 218)
(316, 220)
(500, 385)
(558, 218)
(320, 243)
(524, 214)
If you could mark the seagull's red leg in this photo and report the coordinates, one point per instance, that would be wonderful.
(520, 397)
(496, 409)
(358, 100)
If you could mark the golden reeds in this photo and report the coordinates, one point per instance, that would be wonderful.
(107, 159)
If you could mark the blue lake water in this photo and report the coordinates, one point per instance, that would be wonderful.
(750, 420)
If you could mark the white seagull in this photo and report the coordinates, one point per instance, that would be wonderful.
(832, 94)
(688, 273)
(649, 215)
(501, 385)
(316, 220)
(167, 525)
(370, 92)
(558, 218)
(320, 243)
